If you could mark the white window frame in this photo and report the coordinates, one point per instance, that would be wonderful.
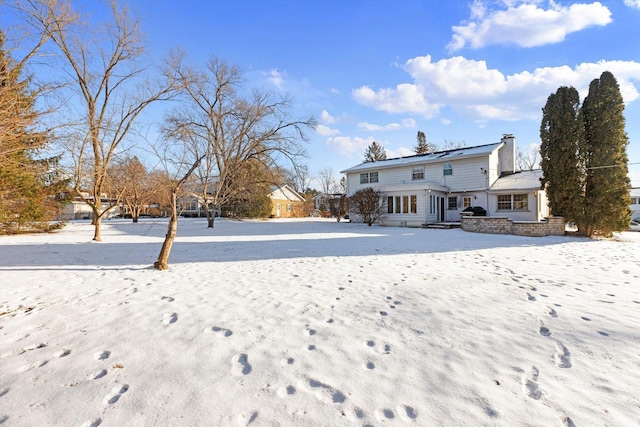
(447, 169)
(513, 202)
(417, 173)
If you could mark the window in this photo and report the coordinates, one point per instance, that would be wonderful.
(402, 204)
(447, 169)
(519, 202)
(289, 207)
(466, 202)
(453, 203)
(513, 202)
(417, 173)
(368, 177)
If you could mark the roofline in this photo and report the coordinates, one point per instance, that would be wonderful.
(378, 164)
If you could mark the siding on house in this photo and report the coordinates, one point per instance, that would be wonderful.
(286, 203)
(440, 196)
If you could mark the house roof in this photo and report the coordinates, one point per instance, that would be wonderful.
(522, 180)
(285, 193)
(438, 156)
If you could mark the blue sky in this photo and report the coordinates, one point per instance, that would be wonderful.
(460, 71)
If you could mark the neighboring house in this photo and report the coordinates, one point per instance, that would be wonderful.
(634, 192)
(79, 209)
(437, 187)
(286, 202)
(323, 201)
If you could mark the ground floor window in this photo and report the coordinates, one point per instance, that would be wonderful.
(513, 202)
(466, 202)
(453, 203)
(402, 204)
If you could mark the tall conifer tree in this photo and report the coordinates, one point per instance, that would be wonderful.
(26, 184)
(560, 132)
(604, 152)
(374, 153)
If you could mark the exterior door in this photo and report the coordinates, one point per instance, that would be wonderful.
(441, 209)
(278, 210)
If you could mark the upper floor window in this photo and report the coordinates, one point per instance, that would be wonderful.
(417, 173)
(447, 169)
(368, 177)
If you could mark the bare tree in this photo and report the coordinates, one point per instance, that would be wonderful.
(228, 130)
(327, 180)
(368, 204)
(130, 180)
(529, 158)
(104, 64)
(226, 133)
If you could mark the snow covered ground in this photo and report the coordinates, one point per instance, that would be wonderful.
(317, 323)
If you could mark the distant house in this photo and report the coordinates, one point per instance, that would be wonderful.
(79, 209)
(286, 202)
(329, 203)
(436, 187)
(635, 202)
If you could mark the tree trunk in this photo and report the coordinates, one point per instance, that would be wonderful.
(163, 259)
(210, 217)
(96, 228)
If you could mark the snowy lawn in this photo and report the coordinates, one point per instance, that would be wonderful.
(317, 323)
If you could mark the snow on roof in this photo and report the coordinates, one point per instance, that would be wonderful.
(438, 156)
(523, 180)
(285, 193)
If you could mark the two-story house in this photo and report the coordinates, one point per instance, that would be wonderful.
(437, 187)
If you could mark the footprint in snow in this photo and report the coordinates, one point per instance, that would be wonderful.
(169, 318)
(407, 413)
(221, 332)
(102, 355)
(562, 357)
(529, 382)
(117, 391)
(530, 297)
(544, 331)
(246, 418)
(551, 312)
(240, 365)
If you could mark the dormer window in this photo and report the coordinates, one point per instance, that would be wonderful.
(447, 169)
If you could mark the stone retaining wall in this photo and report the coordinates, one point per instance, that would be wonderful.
(552, 226)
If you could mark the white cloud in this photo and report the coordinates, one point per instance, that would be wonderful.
(405, 98)
(347, 145)
(472, 88)
(526, 25)
(633, 3)
(326, 117)
(276, 78)
(323, 130)
(445, 122)
(405, 124)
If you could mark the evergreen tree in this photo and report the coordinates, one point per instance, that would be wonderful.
(27, 185)
(374, 153)
(604, 153)
(422, 146)
(560, 132)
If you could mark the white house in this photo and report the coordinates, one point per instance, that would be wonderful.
(634, 192)
(437, 187)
